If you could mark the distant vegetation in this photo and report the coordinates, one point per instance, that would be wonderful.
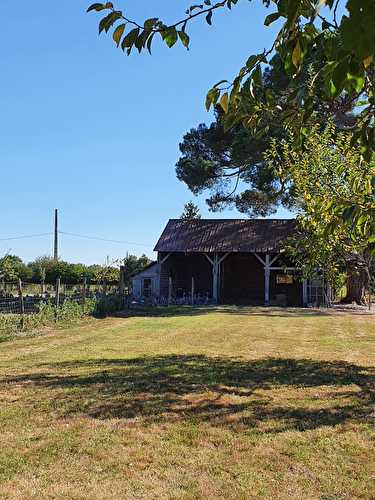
(47, 270)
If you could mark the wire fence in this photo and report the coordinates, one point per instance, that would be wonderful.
(28, 298)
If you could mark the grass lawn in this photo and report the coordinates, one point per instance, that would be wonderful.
(221, 403)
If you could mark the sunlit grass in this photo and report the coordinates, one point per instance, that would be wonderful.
(191, 403)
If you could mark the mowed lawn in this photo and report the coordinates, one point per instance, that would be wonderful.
(219, 403)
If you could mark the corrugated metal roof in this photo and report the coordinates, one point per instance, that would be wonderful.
(224, 235)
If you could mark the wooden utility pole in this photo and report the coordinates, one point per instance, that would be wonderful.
(56, 239)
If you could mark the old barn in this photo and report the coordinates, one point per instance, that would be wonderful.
(227, 261)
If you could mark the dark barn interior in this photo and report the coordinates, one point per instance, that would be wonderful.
(228, 261)
(241, 280)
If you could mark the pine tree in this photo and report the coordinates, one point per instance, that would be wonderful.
(191, 211)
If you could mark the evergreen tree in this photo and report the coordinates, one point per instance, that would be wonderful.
(191, 211)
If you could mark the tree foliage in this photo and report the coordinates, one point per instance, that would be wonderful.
(133, 265)
(191, 211)
(341, 31)
(45, 269)
(333, 187)
(325, 69)
(230, 163)
(12, 268)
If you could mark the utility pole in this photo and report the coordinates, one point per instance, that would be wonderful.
(56, 240)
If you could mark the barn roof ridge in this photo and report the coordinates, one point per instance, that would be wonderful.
(234, 219)
(199, 235)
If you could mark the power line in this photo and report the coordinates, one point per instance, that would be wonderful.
(25, 237)
(105, 239)
(98, 238)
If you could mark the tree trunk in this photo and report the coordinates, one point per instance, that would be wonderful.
(355, 285)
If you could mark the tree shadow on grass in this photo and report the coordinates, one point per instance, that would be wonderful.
(249, 311)
(269, 394)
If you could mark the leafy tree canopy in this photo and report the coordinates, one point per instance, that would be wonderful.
(46, 269)
(230, 164)
(334, 193)
(341, 31)
(12, 268)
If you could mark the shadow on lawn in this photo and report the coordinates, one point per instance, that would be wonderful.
(195, 388)
(254, 311)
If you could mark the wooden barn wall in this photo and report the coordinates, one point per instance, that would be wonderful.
(242, 279)
(181, 267)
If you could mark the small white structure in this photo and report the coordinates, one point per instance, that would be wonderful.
(145, 284)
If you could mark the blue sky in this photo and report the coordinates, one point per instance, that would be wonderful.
(95, 134)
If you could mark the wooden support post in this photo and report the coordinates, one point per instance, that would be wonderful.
(267, 281)
(57, 299)
(304, 293)
(22, 304)
(161, 262)
(169, 290)
(216, 273)
(215, 277)
(192, 290)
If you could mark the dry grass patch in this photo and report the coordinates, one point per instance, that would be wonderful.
(216, 403)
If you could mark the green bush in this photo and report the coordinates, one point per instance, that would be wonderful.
(69, 312)
(107, 304)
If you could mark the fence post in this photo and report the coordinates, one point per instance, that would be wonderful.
(192, 290)
(84, 290)
(22, 304)
(43, 280)
(57, 299)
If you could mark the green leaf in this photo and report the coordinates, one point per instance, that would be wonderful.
(149, 42)
(297, 55)
(224, 102)
(100, 6)
(271, 18)
(219, 83)
(117, 34)
(212, 97)
(257, 76)
(169, 36)
(109, 20)
(348, 213)
(130, 39)
(357, 81)
(150, 23)
(252, 61)
(96, 6)
(193, 7)
(184, 38)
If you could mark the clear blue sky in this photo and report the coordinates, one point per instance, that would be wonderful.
(94, 133)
